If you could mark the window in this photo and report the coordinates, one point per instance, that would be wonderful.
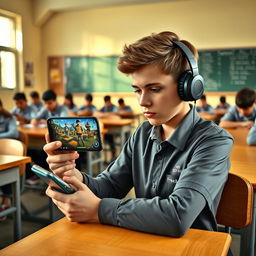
(10, 50)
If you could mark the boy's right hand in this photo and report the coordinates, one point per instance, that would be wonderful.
(61, 163)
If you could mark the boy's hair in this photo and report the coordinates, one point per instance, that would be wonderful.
(156, 49)
(121, 101)
(203, 97)
(1, 104)
(34, 95)
(19, 96)
(107, 98)
(223, 99)
(49, 95)
(245, 98)
(88, 97)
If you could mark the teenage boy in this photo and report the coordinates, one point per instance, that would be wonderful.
(23, 112)
(123, 108)
(176, 161)
(244, 113)
(51, 108)
(35, 102)
(88, 108)
(204, 107)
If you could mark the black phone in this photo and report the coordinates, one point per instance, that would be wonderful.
(53, 180)
(75, 133)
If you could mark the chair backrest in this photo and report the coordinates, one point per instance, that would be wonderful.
(235, 207)
(15, 148)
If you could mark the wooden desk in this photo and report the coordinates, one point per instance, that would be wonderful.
(122, 127)
(243, 163)
(239, 134)
(66, 238)
(10, 174)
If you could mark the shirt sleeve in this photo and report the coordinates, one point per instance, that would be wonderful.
(230, 115)
(12, 131)
(41, 115)
(196, 188)
(64, 112)
(251, 138)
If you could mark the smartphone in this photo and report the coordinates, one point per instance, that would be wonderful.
(76, 134)
(53, 180)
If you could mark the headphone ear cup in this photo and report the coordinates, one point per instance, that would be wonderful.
(184, 85)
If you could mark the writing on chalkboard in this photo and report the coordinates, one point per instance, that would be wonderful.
(228, 69)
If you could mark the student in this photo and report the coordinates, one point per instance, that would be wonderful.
(109, 107)
(23, 112)
(122, 108)
(204, 107)
(176, 161)
(51, 108)
(8, 129)
(251, 138)
(222, 107)
(36, 103)
(69, 104)
(88, 108)
(244, 113)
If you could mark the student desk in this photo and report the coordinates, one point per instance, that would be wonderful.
(207, 116)
(67, 238)
(239, 134)
(243, 163)
(122, 127)
(10, 174)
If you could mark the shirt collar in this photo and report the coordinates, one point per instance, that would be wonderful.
(180, 136)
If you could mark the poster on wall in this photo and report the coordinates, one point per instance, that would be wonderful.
(29, 74)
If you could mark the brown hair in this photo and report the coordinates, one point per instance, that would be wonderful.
(4, 112)
(156, 49)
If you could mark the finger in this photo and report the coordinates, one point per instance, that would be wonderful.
(60, 197)
(62, 169)
(47, 138)
(75, 182)
(62, 158)
(50, 147)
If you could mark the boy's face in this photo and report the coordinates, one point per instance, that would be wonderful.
(157, 94)
(245, 111)
(107, 104)
(21, 104)
(50, 105)
(35, 100)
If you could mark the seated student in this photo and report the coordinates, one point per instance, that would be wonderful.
(122, 108)
(23, 112)
(36, 103)
(222, 107)
(204, 107)
(177, 162)
(109, 110)
(251, 138)
(69, 104)
(244, 113)
(51, 108)
(88, 108)
(8, 129)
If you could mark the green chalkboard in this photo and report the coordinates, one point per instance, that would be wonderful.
(224, 70)
(228, 70)
(84, 74)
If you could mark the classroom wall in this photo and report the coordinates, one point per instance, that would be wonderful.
(31, 45)
(207, 24)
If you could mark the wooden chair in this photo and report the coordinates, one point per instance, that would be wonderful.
(235, 207)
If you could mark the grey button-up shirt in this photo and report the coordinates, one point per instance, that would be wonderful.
(178, 182)
(234, 115)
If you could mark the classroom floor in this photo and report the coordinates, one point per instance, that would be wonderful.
(34, 200)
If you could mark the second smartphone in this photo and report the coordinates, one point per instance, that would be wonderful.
(76, 134)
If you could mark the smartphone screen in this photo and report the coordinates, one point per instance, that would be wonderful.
(76, 134)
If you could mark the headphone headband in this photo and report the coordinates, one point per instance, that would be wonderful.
(189, 56)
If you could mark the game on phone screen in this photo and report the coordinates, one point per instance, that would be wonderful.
(79, 134)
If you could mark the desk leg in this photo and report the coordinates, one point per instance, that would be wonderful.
(247, 243)
(16, 202)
